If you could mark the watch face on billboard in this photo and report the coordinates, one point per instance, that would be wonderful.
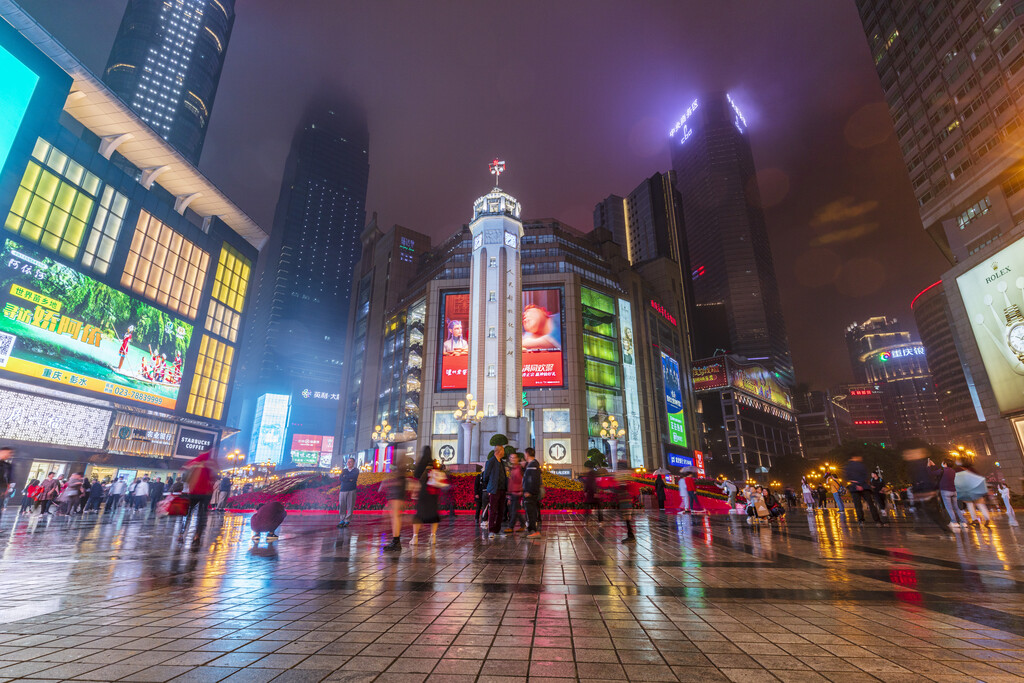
(455, 341)
(993, 294)
(542, 338)
(60, 326)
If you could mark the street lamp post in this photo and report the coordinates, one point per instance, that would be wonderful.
(383, 436)
(467, 415)
(611, 432)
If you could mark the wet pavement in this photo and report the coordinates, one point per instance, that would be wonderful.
(123, 598)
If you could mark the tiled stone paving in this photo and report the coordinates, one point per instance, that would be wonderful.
(814, 599)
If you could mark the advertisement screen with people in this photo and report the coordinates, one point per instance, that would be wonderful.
(455, 340)
(541, 342)
(542, 338)
(61, 326)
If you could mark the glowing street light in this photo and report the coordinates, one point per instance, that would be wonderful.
(467, 415)
(383, 435)
(611, 432)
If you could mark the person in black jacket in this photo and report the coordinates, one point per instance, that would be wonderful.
(347, 492)
(531, 493)
(156, 493)
(478, 495)
(6, 471)
(856, 473)
(659, 491)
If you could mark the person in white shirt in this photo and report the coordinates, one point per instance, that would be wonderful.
(1004, 493)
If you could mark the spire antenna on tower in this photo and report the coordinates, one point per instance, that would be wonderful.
(497, 168)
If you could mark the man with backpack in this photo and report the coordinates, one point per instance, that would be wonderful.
(532, 493)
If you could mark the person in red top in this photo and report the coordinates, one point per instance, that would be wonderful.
(200, 473)
(692, 502)
(123, 351)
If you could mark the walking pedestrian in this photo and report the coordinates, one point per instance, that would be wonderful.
(394, 491)
(479, 495)
(971, 489)
(28, 496)
(532, 486)
(947, 490)
(822, 494)
(95, 496)
(730, 489)
(347, 482)
(51, 487)
(684, 490)
(625, 503)
(156, 493)
(590, 499)
(836, 489)
(1004, 493)
(805, 488)
(199, 474)
(84, 498)
(68, 499)
(856, 473)
(117, 489)
(924, 485)
(659, 491)
(6, 471)
(223, 492)
(140, 498)
(496, 486)
(515, 494)
(432, 483)
(878, 488)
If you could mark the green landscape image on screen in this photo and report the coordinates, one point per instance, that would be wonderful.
(67, 321)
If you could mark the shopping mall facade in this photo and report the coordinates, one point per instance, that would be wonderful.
(124, 274)
(587, 337)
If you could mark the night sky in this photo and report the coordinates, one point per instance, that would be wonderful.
(578, 97)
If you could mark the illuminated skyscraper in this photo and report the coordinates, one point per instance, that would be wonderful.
(166, 62)
(730, 256)
(304, 274)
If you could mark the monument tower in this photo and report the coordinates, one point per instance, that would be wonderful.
(495, 318)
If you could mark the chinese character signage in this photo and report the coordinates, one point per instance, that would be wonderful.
(542, 338)
(994, 301)
(306, 449)
(673, 400)
(25, 417)
(58, 325)
(709, 374)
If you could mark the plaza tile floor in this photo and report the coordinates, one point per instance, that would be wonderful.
(816, 598)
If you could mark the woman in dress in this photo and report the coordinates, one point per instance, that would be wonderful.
(432, 483)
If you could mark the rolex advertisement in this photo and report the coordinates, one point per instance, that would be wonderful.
(993, 294)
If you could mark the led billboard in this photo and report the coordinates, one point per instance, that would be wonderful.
(993, 294)
(454, 340)
(760, 382)
(709, 374)
(306, 449)
(268, 431)
(542, 338)
(541, 342)
(630, 385)
(673, 400)
(61, 326)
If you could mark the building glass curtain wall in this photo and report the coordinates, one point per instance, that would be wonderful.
(601, 364)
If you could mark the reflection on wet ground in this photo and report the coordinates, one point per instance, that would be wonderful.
(124, 597)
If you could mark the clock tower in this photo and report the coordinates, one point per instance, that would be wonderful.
(495, 317)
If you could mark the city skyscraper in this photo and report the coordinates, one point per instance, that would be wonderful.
(296, 342)
(950, 76)
(648, 222)
(166, 63)
(729, 253)
(882, 354)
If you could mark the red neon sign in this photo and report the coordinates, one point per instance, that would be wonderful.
(664, 312)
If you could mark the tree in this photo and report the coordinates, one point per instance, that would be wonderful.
(595, 458)
(499, 440)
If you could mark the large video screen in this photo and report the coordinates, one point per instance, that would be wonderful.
(673, 400)
(542, 339)
(61, 326)
(994, 300)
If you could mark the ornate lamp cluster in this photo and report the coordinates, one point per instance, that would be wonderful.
(611, 432)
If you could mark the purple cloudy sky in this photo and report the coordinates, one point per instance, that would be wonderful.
(578, 96)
